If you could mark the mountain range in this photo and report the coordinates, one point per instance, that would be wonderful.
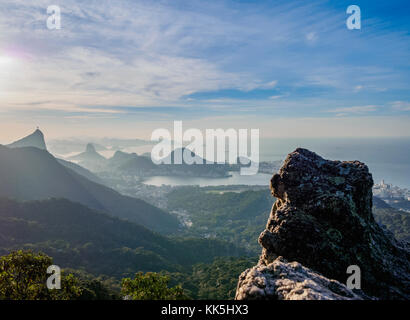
(30, 173)
(142, 165)
(54, 206)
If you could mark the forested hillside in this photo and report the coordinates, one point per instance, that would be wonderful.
(241, 216)
(235, 216)
(81, 238)
(397, 221)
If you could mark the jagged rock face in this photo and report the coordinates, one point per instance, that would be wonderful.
(322, 218)
(281, 280)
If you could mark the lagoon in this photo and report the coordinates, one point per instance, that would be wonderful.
(260, 179)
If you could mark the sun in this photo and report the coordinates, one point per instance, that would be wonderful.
(6, 61)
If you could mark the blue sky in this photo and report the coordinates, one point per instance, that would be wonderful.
(128, 67)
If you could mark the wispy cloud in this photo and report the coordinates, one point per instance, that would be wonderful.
(401, 105)
(358, 88)
(277, 58)
(353, 110)
(311, 36)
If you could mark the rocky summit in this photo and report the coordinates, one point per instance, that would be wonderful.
(36, 139)
(322, 223)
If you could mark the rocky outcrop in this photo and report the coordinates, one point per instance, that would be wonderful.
(36, 139)
(281, 280)
(323, 219)
(90, 154)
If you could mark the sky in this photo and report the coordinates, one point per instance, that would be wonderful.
(126, 68)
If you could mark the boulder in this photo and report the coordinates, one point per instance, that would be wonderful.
(323, 219)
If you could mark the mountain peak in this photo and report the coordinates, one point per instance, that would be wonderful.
(89, 156)
(36, 139)
(90, 148)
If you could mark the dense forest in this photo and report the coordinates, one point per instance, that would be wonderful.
(23, 276)
(108, 258)
(216, 280)
(238, 217)
(396, 221)
(101, 250)
(78, 237)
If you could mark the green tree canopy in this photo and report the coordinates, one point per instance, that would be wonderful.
(151, 286)
(23, 276)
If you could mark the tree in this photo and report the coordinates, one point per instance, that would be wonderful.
(151, 286)
(23, 276)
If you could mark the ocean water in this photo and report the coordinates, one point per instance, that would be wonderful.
(387, 158)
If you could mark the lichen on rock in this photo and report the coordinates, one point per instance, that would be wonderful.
(281, 280)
